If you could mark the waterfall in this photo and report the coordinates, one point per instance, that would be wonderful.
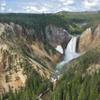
(70, 53)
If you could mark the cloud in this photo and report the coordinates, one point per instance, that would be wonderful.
(48, 6)
(34, 9)
(67, 2)
(3, 3)
(91, 4)
(10, 10)
(3, 6)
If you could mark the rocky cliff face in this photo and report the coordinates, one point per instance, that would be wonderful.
(11, 71)
(89, 39)
(85, 40)
(57, 36)
(18, 51)
(82, 74)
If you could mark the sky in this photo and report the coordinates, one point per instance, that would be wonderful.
(48, 6)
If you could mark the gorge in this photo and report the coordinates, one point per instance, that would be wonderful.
(69, 54)
(49, 56)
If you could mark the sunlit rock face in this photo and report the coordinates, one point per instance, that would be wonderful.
(96, 33)
(18, 49)
(85, 40)
(89, 39)
(57, 36)
(2, 28)
(11, 71)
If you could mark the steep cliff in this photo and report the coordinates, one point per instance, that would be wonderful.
(57, 36)
(89, 39)
(19, 51)
(81, 79)
(28, 57)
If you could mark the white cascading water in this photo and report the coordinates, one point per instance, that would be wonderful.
(70, 53)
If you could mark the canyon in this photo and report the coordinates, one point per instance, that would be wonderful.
(41, 61)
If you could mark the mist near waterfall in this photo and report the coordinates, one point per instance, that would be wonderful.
(70, 53)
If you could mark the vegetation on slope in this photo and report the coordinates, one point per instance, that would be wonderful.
(81, 80)
(77, 83)
(73, 22)
(34, 86)
(40, 63)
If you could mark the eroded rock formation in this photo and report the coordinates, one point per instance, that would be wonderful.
(89, 39)
(57, 36)
(18, 50)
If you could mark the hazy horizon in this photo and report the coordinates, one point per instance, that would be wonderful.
(48, 6)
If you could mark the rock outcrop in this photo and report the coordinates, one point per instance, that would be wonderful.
(96, 33)
(19, 50)
(89, 39)
(57, 36)
(85, 40)
(11, 71)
